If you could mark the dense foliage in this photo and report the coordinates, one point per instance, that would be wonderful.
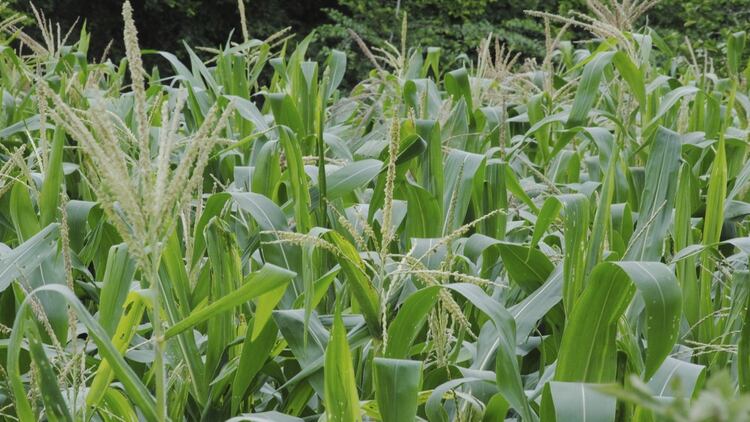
(562, 239)
(452, 25)
(706, 24)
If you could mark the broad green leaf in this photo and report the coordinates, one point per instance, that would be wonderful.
(116, 282)
(358, 281)
(655, 212)
(435, 412)
(462, 169)
(743, 354)
(411, 317)
(600, 226)
(588, 350)
(397, 383)
(265, 305)
(297, 179)
(342, 402)
(265, 417)
(50, 193)
(268, 278)
(224, 260)
(212, 208)
(575, 401)
(22, 212)
(735, 49)
(687, 377)
(575, 208)
(291, 324)
(423, 212)
(26, 257)
(712, 227)
(526, 267)
(255, 351)
(457, 85)
(588, 88)
(348, 178)
(536, 305)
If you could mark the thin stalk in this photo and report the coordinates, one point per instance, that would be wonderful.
(713, 222)
(321, 164)
(160, 369)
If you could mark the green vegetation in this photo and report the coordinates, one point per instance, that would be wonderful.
(562, 239)
(456, 26)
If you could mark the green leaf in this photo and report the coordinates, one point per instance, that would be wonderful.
(397, 383)
(657, 199)
(256, 351)
(422, 212)
(127, 326)
(712, 227)
(130, 381)
(600, 228)
(28, 256)
(575, 401)
(458, 86)
(268, 278)
(407, 324)
(632, 75)
(55, 406)
(212, 208)
(22, 212)
(224, 260)
(348, 178)
(588, 351)
(743, 349)
(265, 305)
(536, 305)
(50, 193)
(688, 377)
(526, 267)
(588, 88)
(264, 417)
(461, 170)
(311, 353)
(360, 285)
(297, 179)
(575, 208)
(735, 49)
(341, 400)
(508, 375)
(118, 276)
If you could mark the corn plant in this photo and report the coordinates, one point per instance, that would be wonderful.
(241, 239)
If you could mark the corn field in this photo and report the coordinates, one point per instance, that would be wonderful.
(480, 238)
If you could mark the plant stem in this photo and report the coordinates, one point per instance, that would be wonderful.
(160, 369)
